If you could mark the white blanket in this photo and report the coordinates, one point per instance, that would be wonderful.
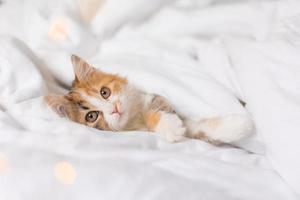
(200, 55)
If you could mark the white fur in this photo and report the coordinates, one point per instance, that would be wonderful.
(227, 129)
(170, 127)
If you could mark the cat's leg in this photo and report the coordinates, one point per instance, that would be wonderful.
(161, 118)
(225, 129)
(167, 125)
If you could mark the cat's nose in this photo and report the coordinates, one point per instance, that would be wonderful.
(117, 108)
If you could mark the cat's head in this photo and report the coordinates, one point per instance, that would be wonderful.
(97, 99)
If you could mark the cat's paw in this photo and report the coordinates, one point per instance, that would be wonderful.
(170, 127)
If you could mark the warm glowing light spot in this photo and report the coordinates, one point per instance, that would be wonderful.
(59, 30)
(65, 172)
(4, 163)
(89, 8)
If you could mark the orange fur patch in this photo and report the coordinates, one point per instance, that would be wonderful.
(151, 119)
(97, 79)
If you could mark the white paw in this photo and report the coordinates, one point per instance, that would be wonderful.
(170, 127)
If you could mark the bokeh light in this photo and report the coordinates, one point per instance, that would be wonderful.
(59, 30)
(64, 172)
(4, 163)
(88, 9)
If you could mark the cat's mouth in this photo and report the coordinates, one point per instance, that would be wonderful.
(117, 115)
(116, 112)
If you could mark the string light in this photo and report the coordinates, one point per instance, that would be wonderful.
(65, 173)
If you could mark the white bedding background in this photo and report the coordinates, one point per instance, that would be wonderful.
(202, 55)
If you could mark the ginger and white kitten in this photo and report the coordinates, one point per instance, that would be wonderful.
(109, 102)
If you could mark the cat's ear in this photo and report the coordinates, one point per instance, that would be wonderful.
(81, 68)
(58, 103)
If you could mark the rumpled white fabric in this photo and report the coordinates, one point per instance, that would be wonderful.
(201, 55)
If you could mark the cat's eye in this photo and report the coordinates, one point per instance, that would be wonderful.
(105, 92)
(92, 116)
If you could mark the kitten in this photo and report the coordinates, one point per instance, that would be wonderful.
(109, 102)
